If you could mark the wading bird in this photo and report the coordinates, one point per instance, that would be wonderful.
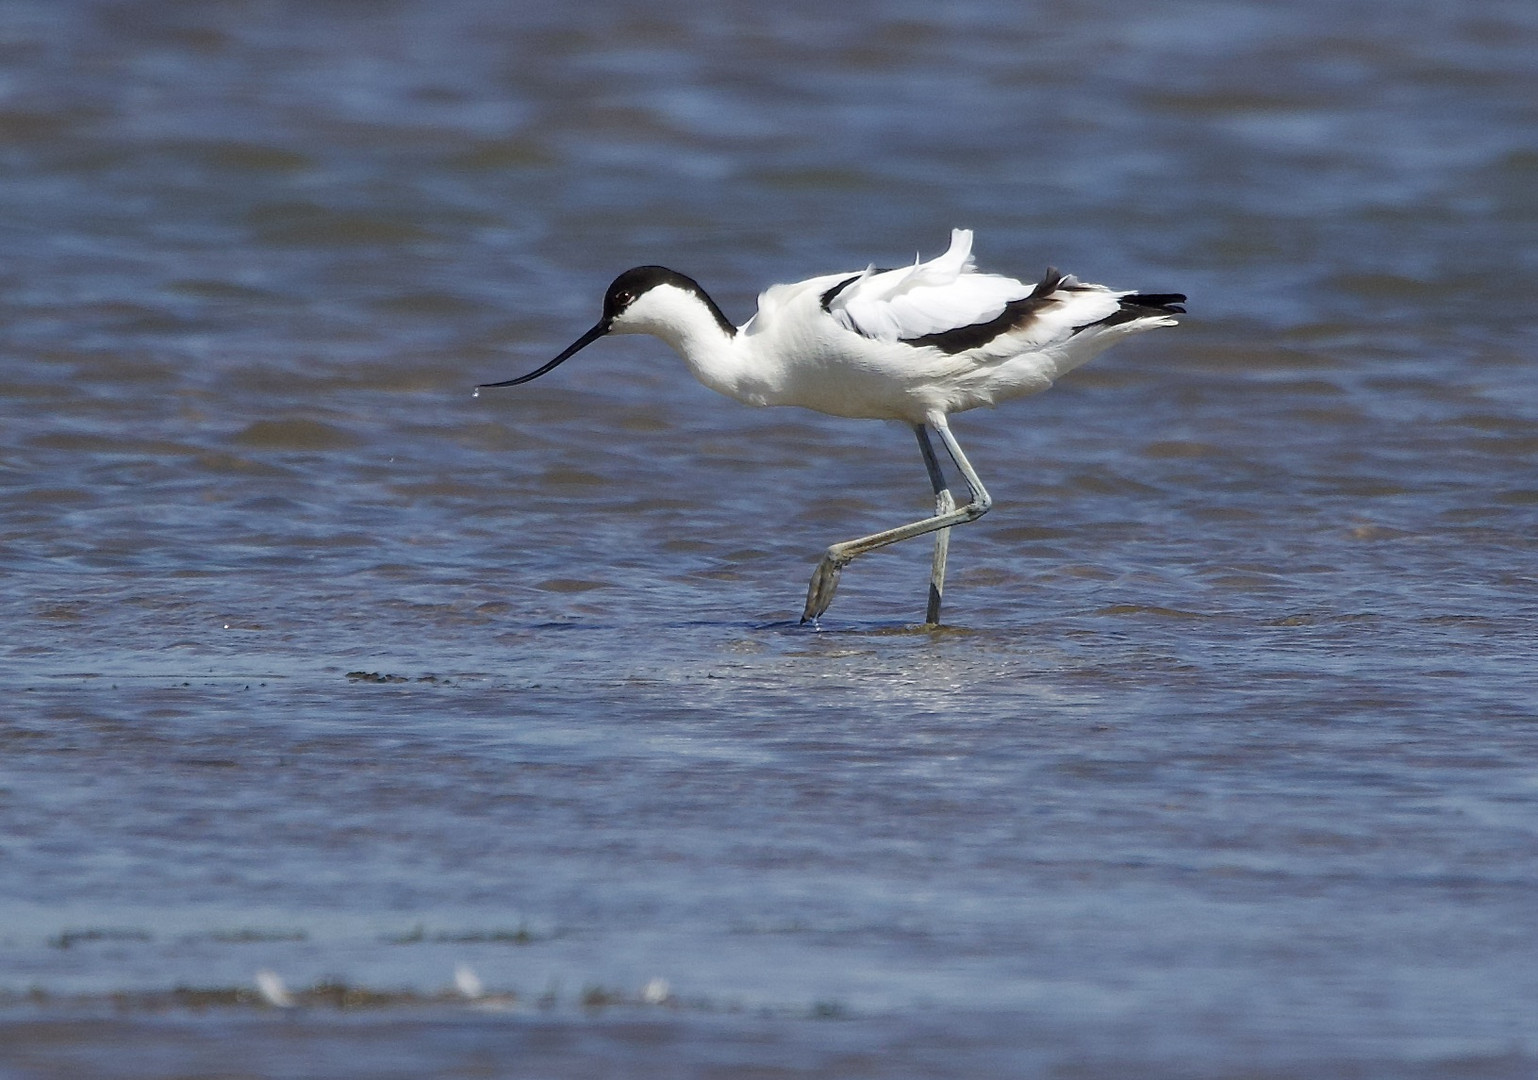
(914, 344)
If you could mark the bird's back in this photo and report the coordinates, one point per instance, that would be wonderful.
(935, 337)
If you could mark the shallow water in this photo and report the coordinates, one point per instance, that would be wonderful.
(1221, 764)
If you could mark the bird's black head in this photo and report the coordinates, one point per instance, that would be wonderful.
(618, 302)
(636, 283)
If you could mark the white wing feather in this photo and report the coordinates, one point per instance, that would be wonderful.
(925, 298)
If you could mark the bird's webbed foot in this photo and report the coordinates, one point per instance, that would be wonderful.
(819, 594)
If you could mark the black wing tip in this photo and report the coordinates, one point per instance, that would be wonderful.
(1172, 303)
(1050, 282)
(1135, 306)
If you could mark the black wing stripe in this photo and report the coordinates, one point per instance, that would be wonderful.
(1017, 315)
(1141, 306)
(827, 297)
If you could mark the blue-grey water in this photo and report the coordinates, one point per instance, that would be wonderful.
(1223, 763)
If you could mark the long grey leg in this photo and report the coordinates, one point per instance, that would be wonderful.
(945, 502)
(819, 593)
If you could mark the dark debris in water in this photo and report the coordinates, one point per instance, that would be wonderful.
(70, 938)
(246, 937)
(328, 994)
(418, 935)
(338, 995)
(386, 677)
(598, 997)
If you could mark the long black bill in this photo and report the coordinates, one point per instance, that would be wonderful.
(571, 350)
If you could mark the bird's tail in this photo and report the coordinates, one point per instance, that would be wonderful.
(1155, 303)
(1136, 306)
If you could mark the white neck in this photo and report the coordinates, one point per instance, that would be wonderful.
(686, 322)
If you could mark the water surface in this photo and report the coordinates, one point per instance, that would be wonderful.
(1221, 764)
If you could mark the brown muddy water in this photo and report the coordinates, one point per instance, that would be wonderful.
(1222, 765)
